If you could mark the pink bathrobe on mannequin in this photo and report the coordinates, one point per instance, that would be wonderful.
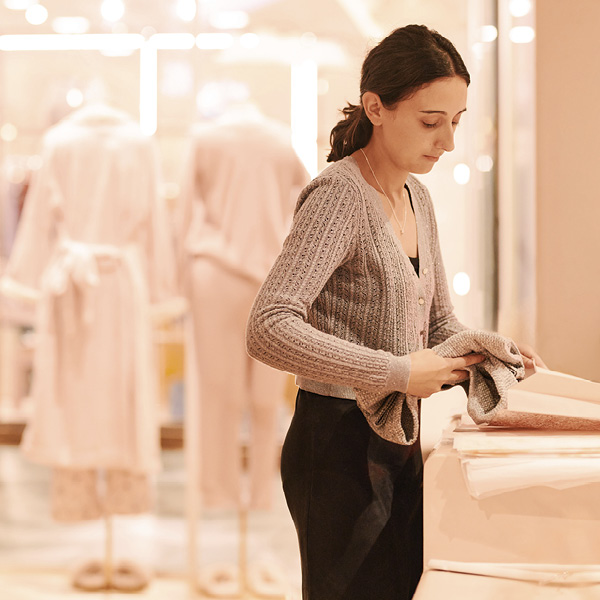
(94, 242)
(240, 187)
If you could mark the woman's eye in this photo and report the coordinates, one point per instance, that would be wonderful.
(455, 123)
(429, 125)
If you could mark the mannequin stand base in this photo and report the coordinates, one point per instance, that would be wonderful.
(125, 577)
(96, 575)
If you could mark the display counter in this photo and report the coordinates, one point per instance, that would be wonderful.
(535, 524)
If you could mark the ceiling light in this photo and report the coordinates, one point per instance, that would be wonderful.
(484, 163)
(18, 4)
(186, 10)
(519, 8)
(461, 284)
(214, 41)
(112, 10)
(36, 14)
(74, 98)
(488, 33)
(93, 41)
(521, 35)
(462, 174)
(172, 41)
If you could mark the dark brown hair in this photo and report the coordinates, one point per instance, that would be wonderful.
(406, 60)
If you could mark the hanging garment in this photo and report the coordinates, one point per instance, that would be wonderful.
(94, 242)
(240, 186)
(232, 385)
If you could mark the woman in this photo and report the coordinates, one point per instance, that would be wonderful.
(352, 304)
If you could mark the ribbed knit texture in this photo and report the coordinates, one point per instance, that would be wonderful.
(343, 305)
(488, 380)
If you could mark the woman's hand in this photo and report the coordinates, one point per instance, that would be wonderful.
(429, 372)
(530, 357)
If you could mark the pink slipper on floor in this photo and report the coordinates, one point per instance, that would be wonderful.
(266, 579)
(220, 581)
(90, 576)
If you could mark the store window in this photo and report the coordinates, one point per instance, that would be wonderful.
(173, 66)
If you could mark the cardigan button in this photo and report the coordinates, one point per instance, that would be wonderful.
(421, 301)
(425, 271)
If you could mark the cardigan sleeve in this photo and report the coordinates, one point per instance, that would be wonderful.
(323, 235)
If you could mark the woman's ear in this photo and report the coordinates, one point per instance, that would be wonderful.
(373, 107)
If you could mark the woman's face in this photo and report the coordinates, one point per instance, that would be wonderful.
(421, 128)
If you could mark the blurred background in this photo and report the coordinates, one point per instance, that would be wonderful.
(516, 204)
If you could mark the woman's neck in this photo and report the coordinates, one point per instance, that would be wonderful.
(379, 171)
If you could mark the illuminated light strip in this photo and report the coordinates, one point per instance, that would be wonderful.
(148, 89)
(59, 41)
(304, 113)
(172, 41)
(96, 41)
(214, 41)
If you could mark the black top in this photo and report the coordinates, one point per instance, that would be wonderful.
(413, 259)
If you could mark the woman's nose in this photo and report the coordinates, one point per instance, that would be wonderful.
(446, 141)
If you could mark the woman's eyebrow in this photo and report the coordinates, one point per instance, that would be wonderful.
(441, 112)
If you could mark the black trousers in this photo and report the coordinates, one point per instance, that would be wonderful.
(357, 503)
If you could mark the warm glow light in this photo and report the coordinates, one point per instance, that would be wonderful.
(229, 19)
(462, 174)
(214, 41)
(36, 14)
(186, 10)
(18, 4)
(148, 89)
(112, 10)
(461, 284)
(8, 132)
(249, 40)
(488, 33)
(519, 8)
(484, 163)
(304, 114)
(522, 34)
(74, 98)
(70, 25)
(172, 41)
(93, 41)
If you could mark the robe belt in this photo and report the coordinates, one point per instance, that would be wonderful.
(74, 276)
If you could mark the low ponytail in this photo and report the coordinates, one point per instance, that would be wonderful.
(351, 133)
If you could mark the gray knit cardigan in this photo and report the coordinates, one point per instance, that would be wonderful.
(342, 307)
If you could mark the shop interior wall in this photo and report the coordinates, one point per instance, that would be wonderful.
(568, 180)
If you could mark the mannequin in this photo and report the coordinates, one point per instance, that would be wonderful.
(240, 185)
(93, 251)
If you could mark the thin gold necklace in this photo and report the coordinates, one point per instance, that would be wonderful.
(386, 197)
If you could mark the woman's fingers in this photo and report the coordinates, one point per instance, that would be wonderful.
(458, 376)
(466, 361)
